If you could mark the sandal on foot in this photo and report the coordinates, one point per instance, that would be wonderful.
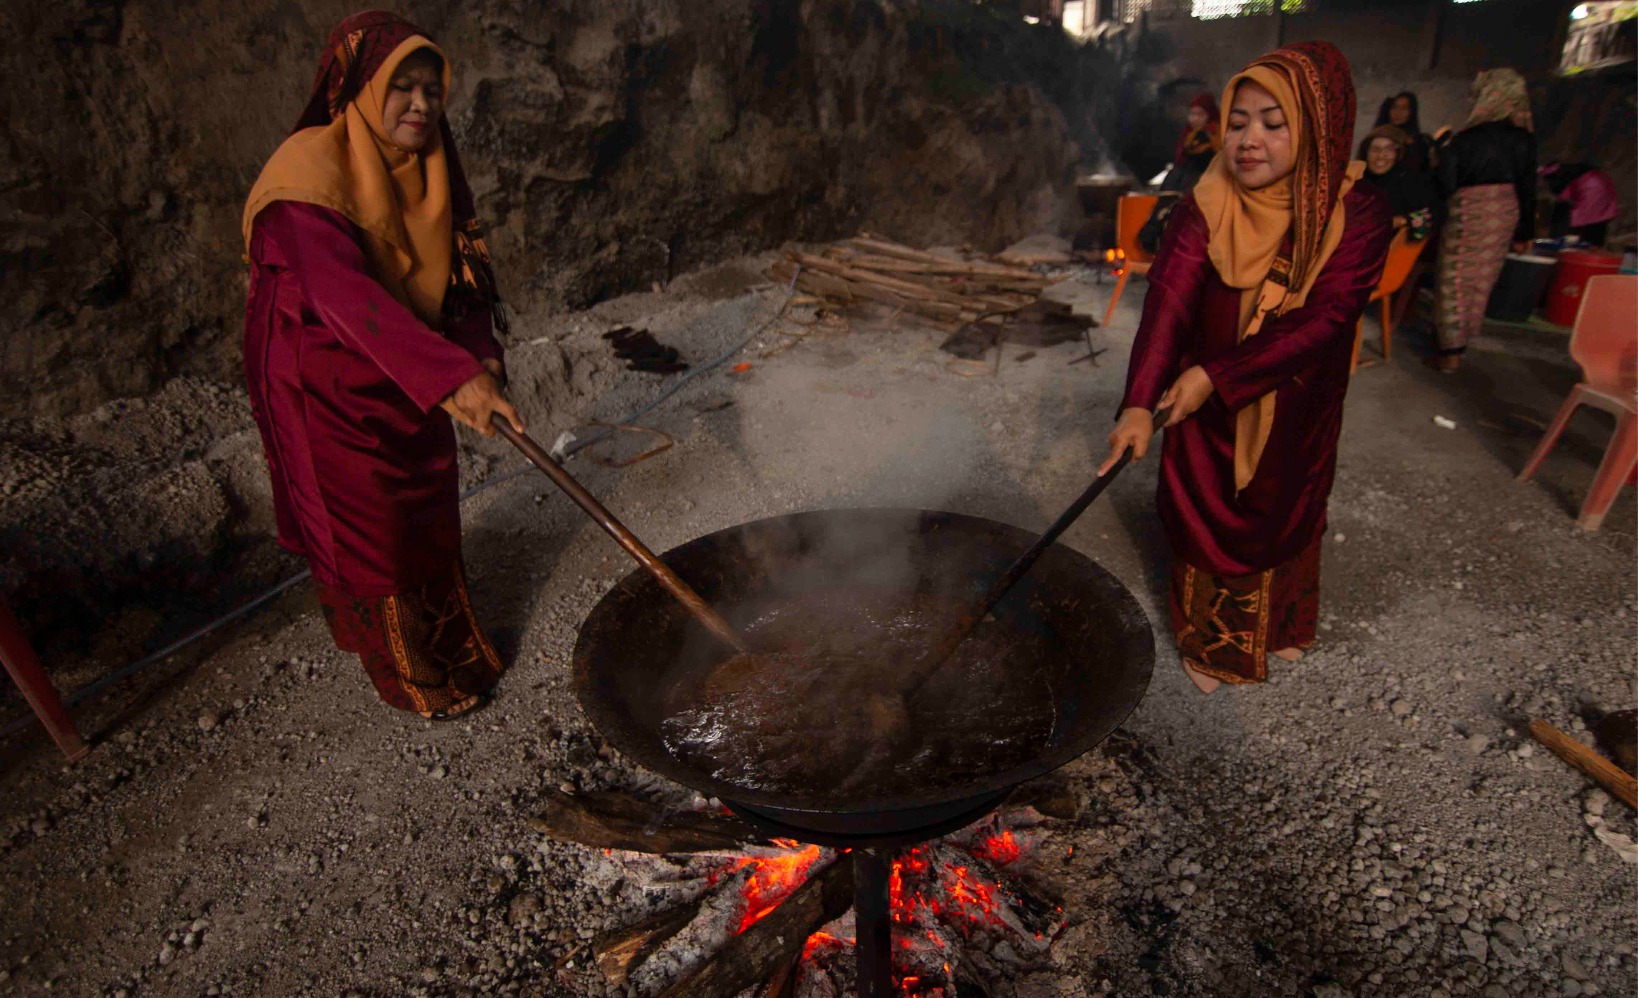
(460, 708)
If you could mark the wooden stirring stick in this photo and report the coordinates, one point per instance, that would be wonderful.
(930, 664)
(684, 593)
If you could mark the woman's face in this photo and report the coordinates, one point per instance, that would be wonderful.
(1259, 138)
(1382, 155)
(1198, 118)
(1399, 112)
(414, 103)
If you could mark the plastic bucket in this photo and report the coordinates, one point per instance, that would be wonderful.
(1574, 268)
(1518, 290)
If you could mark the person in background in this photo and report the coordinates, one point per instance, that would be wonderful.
(1488, 173)
(1196, 146)
(369, 330)
(1402, 112)
(1245, 341)
(1410, 192)
(1585, 203)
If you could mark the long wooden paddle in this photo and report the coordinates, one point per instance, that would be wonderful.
(934, 660)
(684, 593)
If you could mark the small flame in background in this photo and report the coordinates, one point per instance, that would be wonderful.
(961, 897)
(1115, 259)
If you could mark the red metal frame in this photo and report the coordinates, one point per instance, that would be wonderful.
(25, 670)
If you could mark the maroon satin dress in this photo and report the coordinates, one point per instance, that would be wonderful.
(345, 383)
(1246, 564)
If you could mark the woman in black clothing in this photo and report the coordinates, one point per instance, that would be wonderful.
(1410, 192)
(1488, 171)
(1401, 111)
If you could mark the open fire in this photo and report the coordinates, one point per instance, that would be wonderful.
(961, 906)
(945, 899)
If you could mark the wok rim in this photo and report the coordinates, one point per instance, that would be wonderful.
(650, 753)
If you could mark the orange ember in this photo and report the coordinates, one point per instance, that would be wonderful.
(774, 878)
(822, 940)
(1001, 849)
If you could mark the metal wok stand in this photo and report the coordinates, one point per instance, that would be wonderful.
(872, 869)
(873, 917)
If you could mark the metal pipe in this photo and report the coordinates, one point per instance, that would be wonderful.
(873, 913)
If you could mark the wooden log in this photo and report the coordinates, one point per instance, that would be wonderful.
(1051, 795)
(1035, 919)
(618, 951)
(1609, 776)
(841, 293)
(783, 982)
(752, 956)
(909, 290)
(903, 288)
(955, 268)
(886, 296)
(970, 293)
(833, 290)
(888, 247)
(611, 820)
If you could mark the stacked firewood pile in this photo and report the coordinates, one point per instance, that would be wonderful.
(945, 293)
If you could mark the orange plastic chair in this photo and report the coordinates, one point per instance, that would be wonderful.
(1131, 211)
(1604, 344)
(1402, 254)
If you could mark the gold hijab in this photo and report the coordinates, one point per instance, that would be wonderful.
(1248, 228)
(401, 200)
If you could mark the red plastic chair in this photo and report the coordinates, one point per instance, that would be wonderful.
(1402, 257)
(1131, 211)
(1605, 345)
(25, 670)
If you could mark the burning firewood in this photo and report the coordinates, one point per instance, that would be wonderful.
(617, 952)
(753, 955)
(608, 820)
(694, 943)
(744, 916)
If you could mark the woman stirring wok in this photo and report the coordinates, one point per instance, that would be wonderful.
(1246, 336)
(369, 324)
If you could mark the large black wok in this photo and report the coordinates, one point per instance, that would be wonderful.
(638, 644)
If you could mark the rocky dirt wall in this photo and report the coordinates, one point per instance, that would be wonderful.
(612, 144)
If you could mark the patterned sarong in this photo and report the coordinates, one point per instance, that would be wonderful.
(1226, 627)
(423, 649)
(1471, 254)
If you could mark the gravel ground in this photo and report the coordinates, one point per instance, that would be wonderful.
(1372, 822)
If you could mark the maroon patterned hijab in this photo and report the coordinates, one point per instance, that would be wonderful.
(353, 54)
(1318, 74)
(1273, 242)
